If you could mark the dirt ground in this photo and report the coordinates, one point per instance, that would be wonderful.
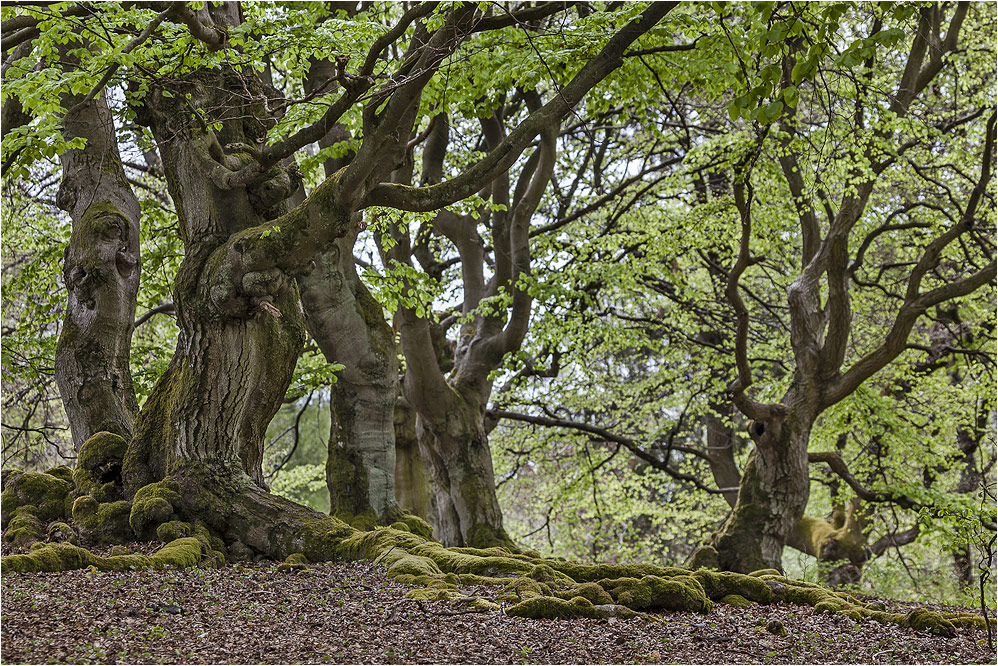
(351, 613)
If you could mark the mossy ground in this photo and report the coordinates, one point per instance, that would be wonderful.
(36, 517)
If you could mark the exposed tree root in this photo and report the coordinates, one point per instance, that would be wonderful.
(210, 517)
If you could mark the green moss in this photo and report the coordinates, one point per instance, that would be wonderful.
(417, 525)
(524, 588)
(59, 532)
(293, 562)
(175, 529)
(180, 553)
(923, 619)
(765, 572)
(736, 600)
(153, 505)
(595, 572)
(483, 535)
(99, 464)
(23, 529)
(968, 621)
(830, 605)
(483, 604)
(61, 472)
(704, 557)
(413, 565)
(452, 560)
(718, 584)
(102, 523)
(591, 591)
(552, 608)
(118, 550)
(45, 492)
(402, 527)
(678, 593)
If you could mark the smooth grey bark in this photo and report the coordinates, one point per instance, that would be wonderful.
(101, 273)
(348, 325)
(413, 485)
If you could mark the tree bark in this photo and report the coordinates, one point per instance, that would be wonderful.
(101, 273)
(413, 485)
(772, 495)
(456, 451)
(240, 331)
(348, 325)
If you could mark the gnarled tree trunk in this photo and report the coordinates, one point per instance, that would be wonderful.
(101, 272)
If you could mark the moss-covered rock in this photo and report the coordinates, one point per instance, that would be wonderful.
(293, 562)
(98, 466)
(736, 600)
(45, 492)
(59, 532)
(765, 572)
(182, 553)
(153, 505)
(118, 550)
(525, 588)
(483, 604)
(24, 528)
(923, 619)
(676, 593)
(417, 525)
(552, 608)
(718, 584)
(969, 621)
(61, 472)
(414, 565)
(591, 591)
(174, 529)
(704, 557)
(99, 524)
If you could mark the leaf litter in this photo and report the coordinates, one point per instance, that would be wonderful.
(352, 613)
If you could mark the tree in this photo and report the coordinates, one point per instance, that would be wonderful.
(725, 314)
(230, 179)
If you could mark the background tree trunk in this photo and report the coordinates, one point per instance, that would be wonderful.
(456, 451)
(350, 328)
(101, 272)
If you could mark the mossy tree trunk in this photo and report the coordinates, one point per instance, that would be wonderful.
(240, 330)
(413, 485)
(101, 273)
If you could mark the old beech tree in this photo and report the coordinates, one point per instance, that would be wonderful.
(245, 242)
(236, 97)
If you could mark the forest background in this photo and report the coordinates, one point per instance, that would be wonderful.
(639, 263)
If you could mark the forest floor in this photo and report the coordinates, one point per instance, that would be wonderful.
(352, 613)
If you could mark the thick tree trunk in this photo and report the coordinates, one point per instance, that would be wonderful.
(456, 451)
(772, 495)
(101, 272)
(350, 328)
(413, 485)
(240, 332)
